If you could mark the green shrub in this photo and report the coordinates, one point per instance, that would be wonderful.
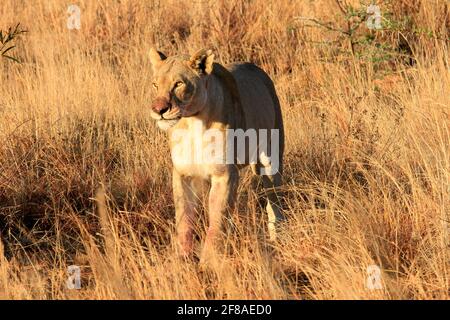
(7, 42)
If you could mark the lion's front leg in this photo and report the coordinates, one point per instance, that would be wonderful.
(185, 201)
(221, 200)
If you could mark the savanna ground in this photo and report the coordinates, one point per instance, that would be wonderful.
(367, 161)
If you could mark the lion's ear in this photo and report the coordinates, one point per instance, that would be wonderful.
(156, 57)
(202, 61)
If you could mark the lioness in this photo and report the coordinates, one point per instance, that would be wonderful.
(195, 96)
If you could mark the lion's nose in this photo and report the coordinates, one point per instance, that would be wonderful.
(161, 105)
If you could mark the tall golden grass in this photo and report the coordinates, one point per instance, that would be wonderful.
(85, 174)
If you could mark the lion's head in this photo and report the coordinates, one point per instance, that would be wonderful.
(180, 83)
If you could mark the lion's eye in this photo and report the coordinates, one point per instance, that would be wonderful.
(155, 85)
(179, 84)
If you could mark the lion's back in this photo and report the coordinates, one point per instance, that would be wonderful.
(258, 96)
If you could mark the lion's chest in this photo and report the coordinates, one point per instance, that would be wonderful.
(197, 151)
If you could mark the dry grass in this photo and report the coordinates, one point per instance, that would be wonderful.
(367, 160)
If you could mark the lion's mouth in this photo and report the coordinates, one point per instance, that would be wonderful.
(168, 119)
(171, 114)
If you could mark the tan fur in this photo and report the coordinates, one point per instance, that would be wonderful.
(238, 96)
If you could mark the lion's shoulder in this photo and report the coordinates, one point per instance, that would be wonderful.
(248, 70)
